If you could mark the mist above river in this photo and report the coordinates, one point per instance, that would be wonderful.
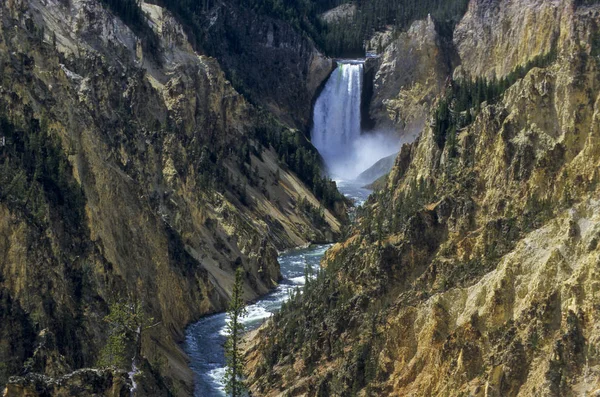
(337, 135)
(367, 149)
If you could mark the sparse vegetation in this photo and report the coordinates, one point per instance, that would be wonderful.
(126, 322)
(463, 99)
(316, 215)
(35, 175)
(345, 38)
(302, 158)
(234, 374)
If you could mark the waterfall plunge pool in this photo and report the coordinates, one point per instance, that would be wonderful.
(337, 135)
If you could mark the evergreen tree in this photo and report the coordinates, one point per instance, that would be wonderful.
(234, 384)
(127, 321)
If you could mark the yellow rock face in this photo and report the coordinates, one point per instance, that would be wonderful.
(137, 130)
(410, 73)
(485, 282)
(493, 39)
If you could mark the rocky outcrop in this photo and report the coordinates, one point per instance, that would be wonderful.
(510, 33)
(132, 176)
(474, 271)
(410, 73)
(81, 382)
(339, 13)
(377, 170)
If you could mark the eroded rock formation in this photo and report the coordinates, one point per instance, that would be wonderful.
(475, 270)
(132, 171)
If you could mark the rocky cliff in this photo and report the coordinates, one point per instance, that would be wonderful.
(408, 75)
(251, 46)
(509, 34)
(133, 173)
(475, 270)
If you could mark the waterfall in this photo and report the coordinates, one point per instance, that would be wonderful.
(336, 130)
(337, 119)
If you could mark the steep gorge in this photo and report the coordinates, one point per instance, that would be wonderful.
(133, 174)
(474, 270)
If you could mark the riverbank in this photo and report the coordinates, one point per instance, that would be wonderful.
(205, 338)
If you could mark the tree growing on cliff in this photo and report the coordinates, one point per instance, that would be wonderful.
(234, 383)
(126, 323)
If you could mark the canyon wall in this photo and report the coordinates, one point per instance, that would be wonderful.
(474, 270)
(408, 75)
(269, 60)
(132, 172)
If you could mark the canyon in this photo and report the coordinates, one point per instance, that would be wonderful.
(148, 154)
(473, 270)
(139, 176)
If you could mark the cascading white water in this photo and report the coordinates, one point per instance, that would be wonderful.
(336, 130)
(336, 134)
(337, 119)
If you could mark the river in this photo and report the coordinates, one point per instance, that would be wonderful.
(205, 339)
(346, 152)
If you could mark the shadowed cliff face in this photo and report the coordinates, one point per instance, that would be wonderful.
(128, 176)
(272, 63)
(474, 271)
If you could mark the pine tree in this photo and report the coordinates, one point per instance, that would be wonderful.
(127, 321)
(234, 384)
